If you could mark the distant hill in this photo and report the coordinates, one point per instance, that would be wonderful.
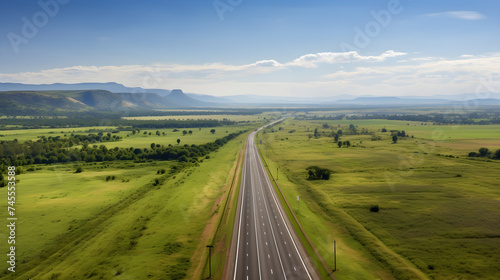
(210, 98)
(32, 102)
(28, 102)
(390, 101)
(182, 99)
(112, 87)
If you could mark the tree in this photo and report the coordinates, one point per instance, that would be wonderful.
(190, 132)
(85, 144)
(353, 129)
(212, 130)
(153, 145)
(184, 132)
(317, 173)
(394, 139)
(158, 133)
(336, 137)
(484, 152)
(79, 169)
(384, 129)
(316, 133)
(339, 144)
(178, 141)
(496, 155)
(309, 136)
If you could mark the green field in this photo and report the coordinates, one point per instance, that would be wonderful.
(139, 140)
(23, 135)
(199, 136)
(80, 225)
(237, 118)
(439, 209)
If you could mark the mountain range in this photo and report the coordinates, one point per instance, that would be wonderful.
(114, 96)
(29, 101)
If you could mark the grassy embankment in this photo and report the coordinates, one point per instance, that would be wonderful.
(438, 214)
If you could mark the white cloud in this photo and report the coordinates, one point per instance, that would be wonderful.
(357, 74)
(313, 60)
(466, 15)
(135, 74)
(429, 77)
(427, 58)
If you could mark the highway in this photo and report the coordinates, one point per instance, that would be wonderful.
(265, 245)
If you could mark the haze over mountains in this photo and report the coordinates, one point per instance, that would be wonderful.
(114, 96)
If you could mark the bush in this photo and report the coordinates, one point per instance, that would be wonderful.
(374, 208)
(317, 173)
(79, 169)
(484, 152)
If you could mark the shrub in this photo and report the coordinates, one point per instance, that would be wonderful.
(317, 173)
(484, 152)
(79, 169)
(374, 208)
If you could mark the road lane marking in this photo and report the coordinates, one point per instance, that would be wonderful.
(269, 185)
(241, 214)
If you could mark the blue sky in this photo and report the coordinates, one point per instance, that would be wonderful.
(257, 47)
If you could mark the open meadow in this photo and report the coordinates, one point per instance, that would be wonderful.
(438, 209)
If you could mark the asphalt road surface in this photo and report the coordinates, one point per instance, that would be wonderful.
(267, 246)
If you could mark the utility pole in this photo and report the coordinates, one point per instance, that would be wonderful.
(209, 261)
(276, 173)
(335, 255)
(298, 204)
